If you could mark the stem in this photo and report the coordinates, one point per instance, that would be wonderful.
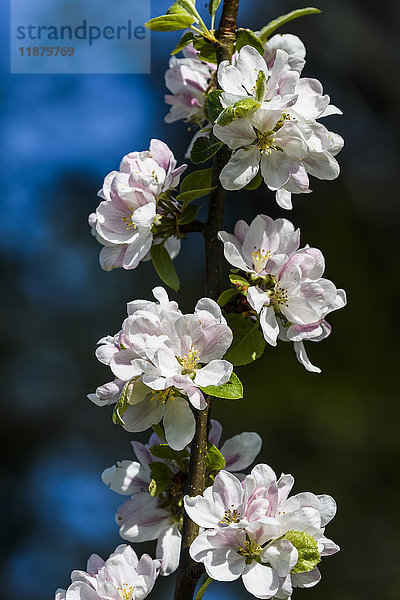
(204, 586)
(189, 571)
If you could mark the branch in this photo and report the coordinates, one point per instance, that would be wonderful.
(189, 572)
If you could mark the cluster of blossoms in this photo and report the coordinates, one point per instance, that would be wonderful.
(162, 358)
(155, 512)
(285, 284)
(134, 200)
(253, 530)
(280, 134)
(121, 577)
(164, 362)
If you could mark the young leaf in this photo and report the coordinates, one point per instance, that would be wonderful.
(183, 42)
(197, 180)
(205, 148)
(213, 104)
(255, 183)
(248, 342)
(247, 37)
(227, 296)
(190, 211)
(161, 477)
(244, 106)
(226, 117)
(164, 266)
(170, 22)
(213, 6)
(164, 451)
(184, 7)
(206, 49)
(260, 86)
(295, 14)
(238, 281)
(215, 460)
(232, 390)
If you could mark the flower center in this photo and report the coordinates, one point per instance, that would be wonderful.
(189, 360)
(265, 142)
(163, 395)
(128, 221)
(126, 591)
(260, 258)
(279, 296)
(231, 516)
(250, 549)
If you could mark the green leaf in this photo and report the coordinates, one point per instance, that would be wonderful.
(164, 451)
(260, 86)
(248, 341)
(213, 104)
(247, 37)
(197, 180)
(189, 213)
(226, 117)
(227, 296)
(161, 476)
(232, 390)
(184, 7)
(122, 405)
(183, 42)
(215, 460)
(213, 6)
(255, 183)
(295, 14)
(205, 148)
(164, 266)
(169, 23)
(206, 49)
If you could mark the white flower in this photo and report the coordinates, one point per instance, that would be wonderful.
(124, 221)
(258, 249)
(121, 577)
(163, 357)
(255, 531)
(144, 517)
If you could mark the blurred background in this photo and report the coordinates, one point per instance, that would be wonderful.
(336, 432)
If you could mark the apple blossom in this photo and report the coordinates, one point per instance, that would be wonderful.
(254, 530)
(188, 79)
(121, 577)
(291, 44)
(165, 357)
(126, 220)
(151, 515)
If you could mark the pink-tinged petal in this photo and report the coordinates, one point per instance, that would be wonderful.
(143, 454)
(285, 484)
(60, 594)
(269, 325)
(168, 550)
(230, 78)
(112, 257)
(241, 229)
(147, 575)
(322, 165)
(161, 153)
(236, 135)
(125, 366)
(241, 450)
(241, 168)
(140, 519)
(261, 581)
(179, 423)
(250, 63)
(305, 519)
(227, 491)
(215, 433)
(303, 359)
(217, 550)
(306, 580)
(262, 475)
(327, 508)
(256, 297)
(282, 556)
(234, 257)
(94, 564)
(137, 251)
(216, 372)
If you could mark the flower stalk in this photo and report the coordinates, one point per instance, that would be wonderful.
(189, 571)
